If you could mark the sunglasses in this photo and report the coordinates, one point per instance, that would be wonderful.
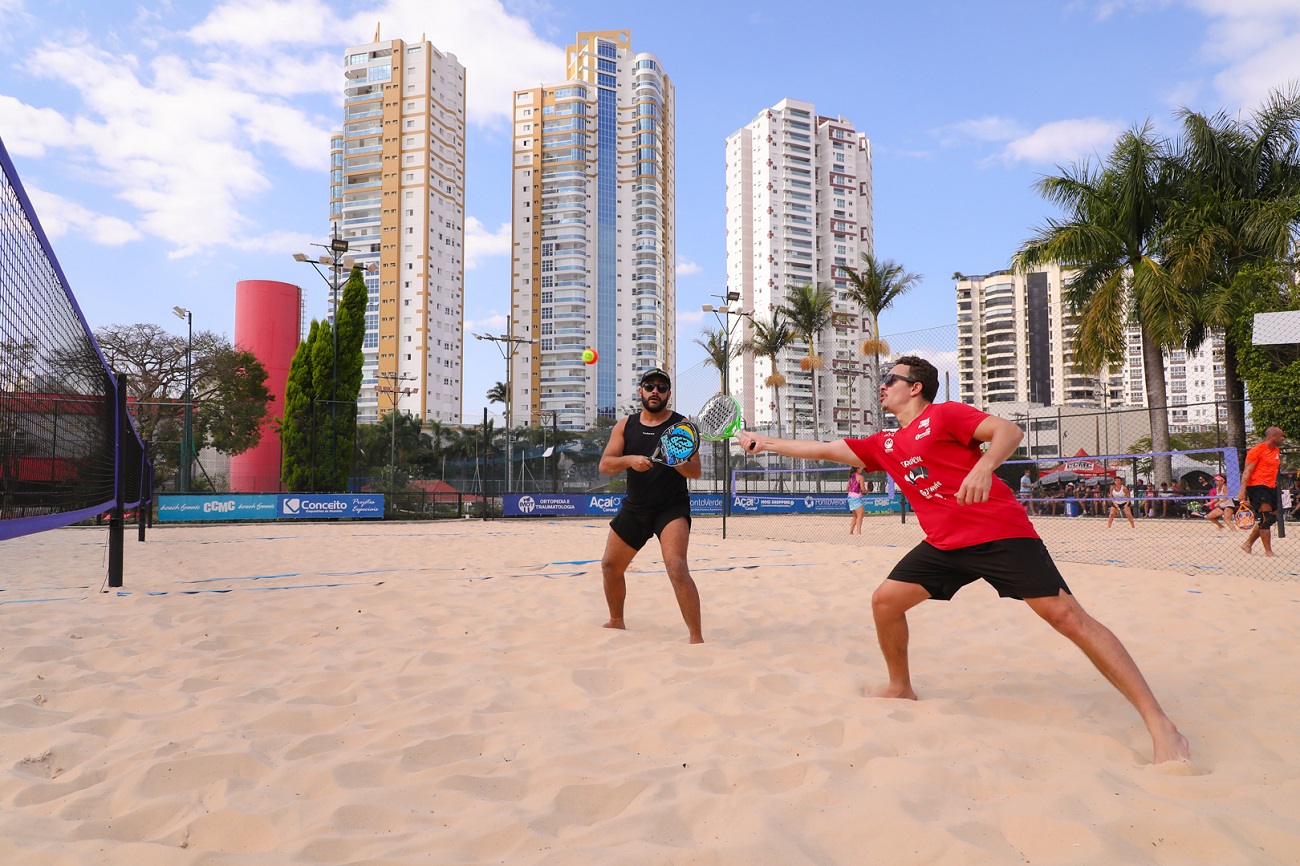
(652, 387)
(891, 378)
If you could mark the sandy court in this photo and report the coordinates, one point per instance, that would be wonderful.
(442, 693)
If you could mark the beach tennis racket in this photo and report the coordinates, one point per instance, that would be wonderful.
(678, 444)
(1245, 518)
(720, 418)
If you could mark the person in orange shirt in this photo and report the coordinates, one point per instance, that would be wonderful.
(1259, 486)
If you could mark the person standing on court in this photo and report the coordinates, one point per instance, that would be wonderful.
(1119, 502)
(1259, 486)
(974, 528)
(856, 506)
(657, 503)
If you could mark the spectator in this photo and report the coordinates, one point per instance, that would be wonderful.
(1166, 496)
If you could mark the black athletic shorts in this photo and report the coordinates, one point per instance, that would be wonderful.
(1258, 494)
(1016, 567)
(636, 528)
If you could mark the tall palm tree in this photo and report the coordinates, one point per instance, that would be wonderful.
(498, 393)
(874, 287)
(1110, 235)
(809, 309)
(1238, 208)
(718, 352)
(770, 339)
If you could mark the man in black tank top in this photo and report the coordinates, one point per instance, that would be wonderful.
(657, 503)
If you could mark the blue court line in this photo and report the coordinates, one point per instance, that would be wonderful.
(42, 588)
(253, 588)
(254, 577)
(31, 600)
(530, 574)
(1195, 591)
(571, 562)
(1193, 565)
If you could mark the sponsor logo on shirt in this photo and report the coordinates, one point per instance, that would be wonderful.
(889, 444)
(923, 433)
(925, 422)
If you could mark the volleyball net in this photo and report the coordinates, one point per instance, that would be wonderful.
(68, 448)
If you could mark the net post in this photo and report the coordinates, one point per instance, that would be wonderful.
(117, 521)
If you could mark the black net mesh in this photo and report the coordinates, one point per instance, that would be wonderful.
(57, 411)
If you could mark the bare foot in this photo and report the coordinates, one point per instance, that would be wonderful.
(614, 623)
(1268, 553)
(1245, 547)
(1170, 745)
(697, 638)
(892, 691)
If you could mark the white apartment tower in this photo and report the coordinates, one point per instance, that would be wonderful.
(799, 206)
(593, 237)
(397, 196)
(1016, 345)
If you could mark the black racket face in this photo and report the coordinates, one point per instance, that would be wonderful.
(679, 443)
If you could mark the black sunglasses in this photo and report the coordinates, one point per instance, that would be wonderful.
(891, 378)
(661, 387)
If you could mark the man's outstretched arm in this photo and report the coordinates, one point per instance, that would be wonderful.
(808, 449)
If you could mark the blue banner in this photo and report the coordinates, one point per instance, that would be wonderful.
(809, 504)
(605, 503)
(231, 506)
(324, 506)
(544, 504)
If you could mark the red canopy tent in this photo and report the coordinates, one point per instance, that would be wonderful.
(1083, 464)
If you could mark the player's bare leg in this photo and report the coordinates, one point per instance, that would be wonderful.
(1109, 656)
(613, 565)
(673, 542)
(889, 606)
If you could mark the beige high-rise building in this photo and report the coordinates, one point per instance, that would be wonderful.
(1016, 346)
(397, 196)
(799, 206)
(594, 238)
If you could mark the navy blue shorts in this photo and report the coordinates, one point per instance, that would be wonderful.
(1016, 567)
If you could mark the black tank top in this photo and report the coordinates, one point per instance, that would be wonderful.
(660, 486)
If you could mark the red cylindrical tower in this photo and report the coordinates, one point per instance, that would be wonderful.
(268, 316)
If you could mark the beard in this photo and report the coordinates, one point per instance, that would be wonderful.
(658, 398)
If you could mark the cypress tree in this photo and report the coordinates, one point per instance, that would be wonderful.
(296, 426)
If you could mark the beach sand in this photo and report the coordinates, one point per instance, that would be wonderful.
(443, 693)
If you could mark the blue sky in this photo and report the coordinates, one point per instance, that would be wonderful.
(173, 148)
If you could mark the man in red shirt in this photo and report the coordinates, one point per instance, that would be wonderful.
(974, 528)
(1259, 485)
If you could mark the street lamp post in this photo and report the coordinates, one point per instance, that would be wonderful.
(187, 438)
(396, 390)
(335, 261)
(723, 314)
(507, 343)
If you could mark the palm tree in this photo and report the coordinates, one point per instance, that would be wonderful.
(718, 352)
(1110, 235)
(1238, 205)
(498, 393)
(770, 339)
(809, 309)
(874, 287)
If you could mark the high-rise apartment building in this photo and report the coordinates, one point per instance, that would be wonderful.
(1016, 345)
(397, 196)
(799, 206)
(593, 238)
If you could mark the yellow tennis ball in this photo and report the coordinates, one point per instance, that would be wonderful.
(589, 356)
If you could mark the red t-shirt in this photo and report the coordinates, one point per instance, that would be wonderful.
(928, 460)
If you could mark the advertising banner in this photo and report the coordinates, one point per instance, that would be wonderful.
(230, 506)
(605, 503)
(810, 504)
(543, 504)
(323, 506)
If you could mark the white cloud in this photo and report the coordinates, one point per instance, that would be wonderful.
(1063, 141)
(481, 243)
(687, 268)
(261, 24)
(28, 131)
(492, 323)
(1259, 40)
(981, 129)
(188, 138)
(284, 243)
(59, 216)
